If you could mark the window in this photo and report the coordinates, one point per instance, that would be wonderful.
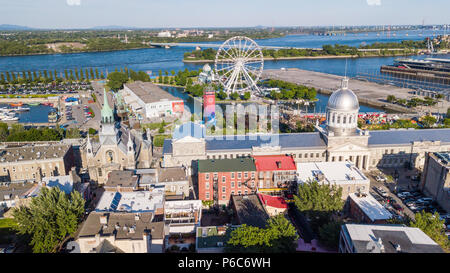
(239, 192)
(215, 175)
(253, 184)
(253, 174)
(299, 155)
(245, 175)
(306, 155)
(344, 120)
(232, 175)
(239, 184)
(268, 184)
(224, 179)
(224, 197)
(207, 195)
(224, 189)
(232, 184)
(239, 175)
(232, 192)
(207, 185)
(207, 176)
(245, 192)
(100, 172)
(311, 155)
(317, 155)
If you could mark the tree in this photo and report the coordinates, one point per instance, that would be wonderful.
(92, 131)
(432, 226)
(73, 133)
(428, 121)
(247, 95)
(116, 80)
(329, 234)
(234, 96)
(50, 217)
(391, 98)
(278, 236)
(318, 202)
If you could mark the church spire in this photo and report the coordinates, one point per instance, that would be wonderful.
(107, 112)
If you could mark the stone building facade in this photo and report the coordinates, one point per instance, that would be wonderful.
(339, 141)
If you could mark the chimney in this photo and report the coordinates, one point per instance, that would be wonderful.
(398, 248)
(137, 217)
(104, 219)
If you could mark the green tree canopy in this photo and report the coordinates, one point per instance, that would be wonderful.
(318, 201)
(51, 217)
(432, 226)
(116, 80)
(278, 236)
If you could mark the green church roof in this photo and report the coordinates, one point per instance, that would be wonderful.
(107, 112)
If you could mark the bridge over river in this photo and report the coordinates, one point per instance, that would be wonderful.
(206, 45)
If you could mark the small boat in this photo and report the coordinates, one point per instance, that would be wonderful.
(33, 103)
(47, 104)
(16, 104)
(21, 109)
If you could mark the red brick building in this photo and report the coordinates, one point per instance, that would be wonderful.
(218, 179)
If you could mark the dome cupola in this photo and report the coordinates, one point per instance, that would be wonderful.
(342, 111)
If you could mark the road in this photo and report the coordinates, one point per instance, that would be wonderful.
(389, 188)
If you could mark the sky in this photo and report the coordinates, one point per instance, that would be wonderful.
(221, 13)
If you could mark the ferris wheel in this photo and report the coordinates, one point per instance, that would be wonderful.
(239, 64)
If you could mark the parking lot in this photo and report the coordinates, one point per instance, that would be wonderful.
(403, 197)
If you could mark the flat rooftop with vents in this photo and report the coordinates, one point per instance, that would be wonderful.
(121, 180)
(137, 201)
(339, 173)
(357, 238)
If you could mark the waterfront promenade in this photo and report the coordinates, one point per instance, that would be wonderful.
(368, 93)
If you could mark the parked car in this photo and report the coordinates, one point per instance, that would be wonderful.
(382, 192)
(380, 178)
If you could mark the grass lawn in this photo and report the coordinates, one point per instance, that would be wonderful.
(158, 140)
(7, 230)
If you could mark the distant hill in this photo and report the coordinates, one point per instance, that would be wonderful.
(14, 27)
(113, 27)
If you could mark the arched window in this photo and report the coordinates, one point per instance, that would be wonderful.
(350, 119)
(344, 121)
(339, 119)
(334, 117)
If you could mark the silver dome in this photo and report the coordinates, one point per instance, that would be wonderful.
(206, 68)
(343, 99)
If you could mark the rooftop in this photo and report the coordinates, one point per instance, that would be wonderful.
(444, 157)
(274, 163)
(149, 92)
(12, 190)
(332, 172)
(249, 210)
(410, 240)
(122, 225)
(371, 207)
(189, 129)
(172, 174)
(226, 165)
(407, 136)
(273, 201)
(137, 201)
(33, 152)
(213, 236)
(122, 179)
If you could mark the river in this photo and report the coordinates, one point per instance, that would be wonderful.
(154, 59)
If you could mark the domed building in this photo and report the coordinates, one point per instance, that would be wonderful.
(342, 111)
(207, 75)
(339, 141)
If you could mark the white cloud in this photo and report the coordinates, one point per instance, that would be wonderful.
(374, 2)
(73, 2)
